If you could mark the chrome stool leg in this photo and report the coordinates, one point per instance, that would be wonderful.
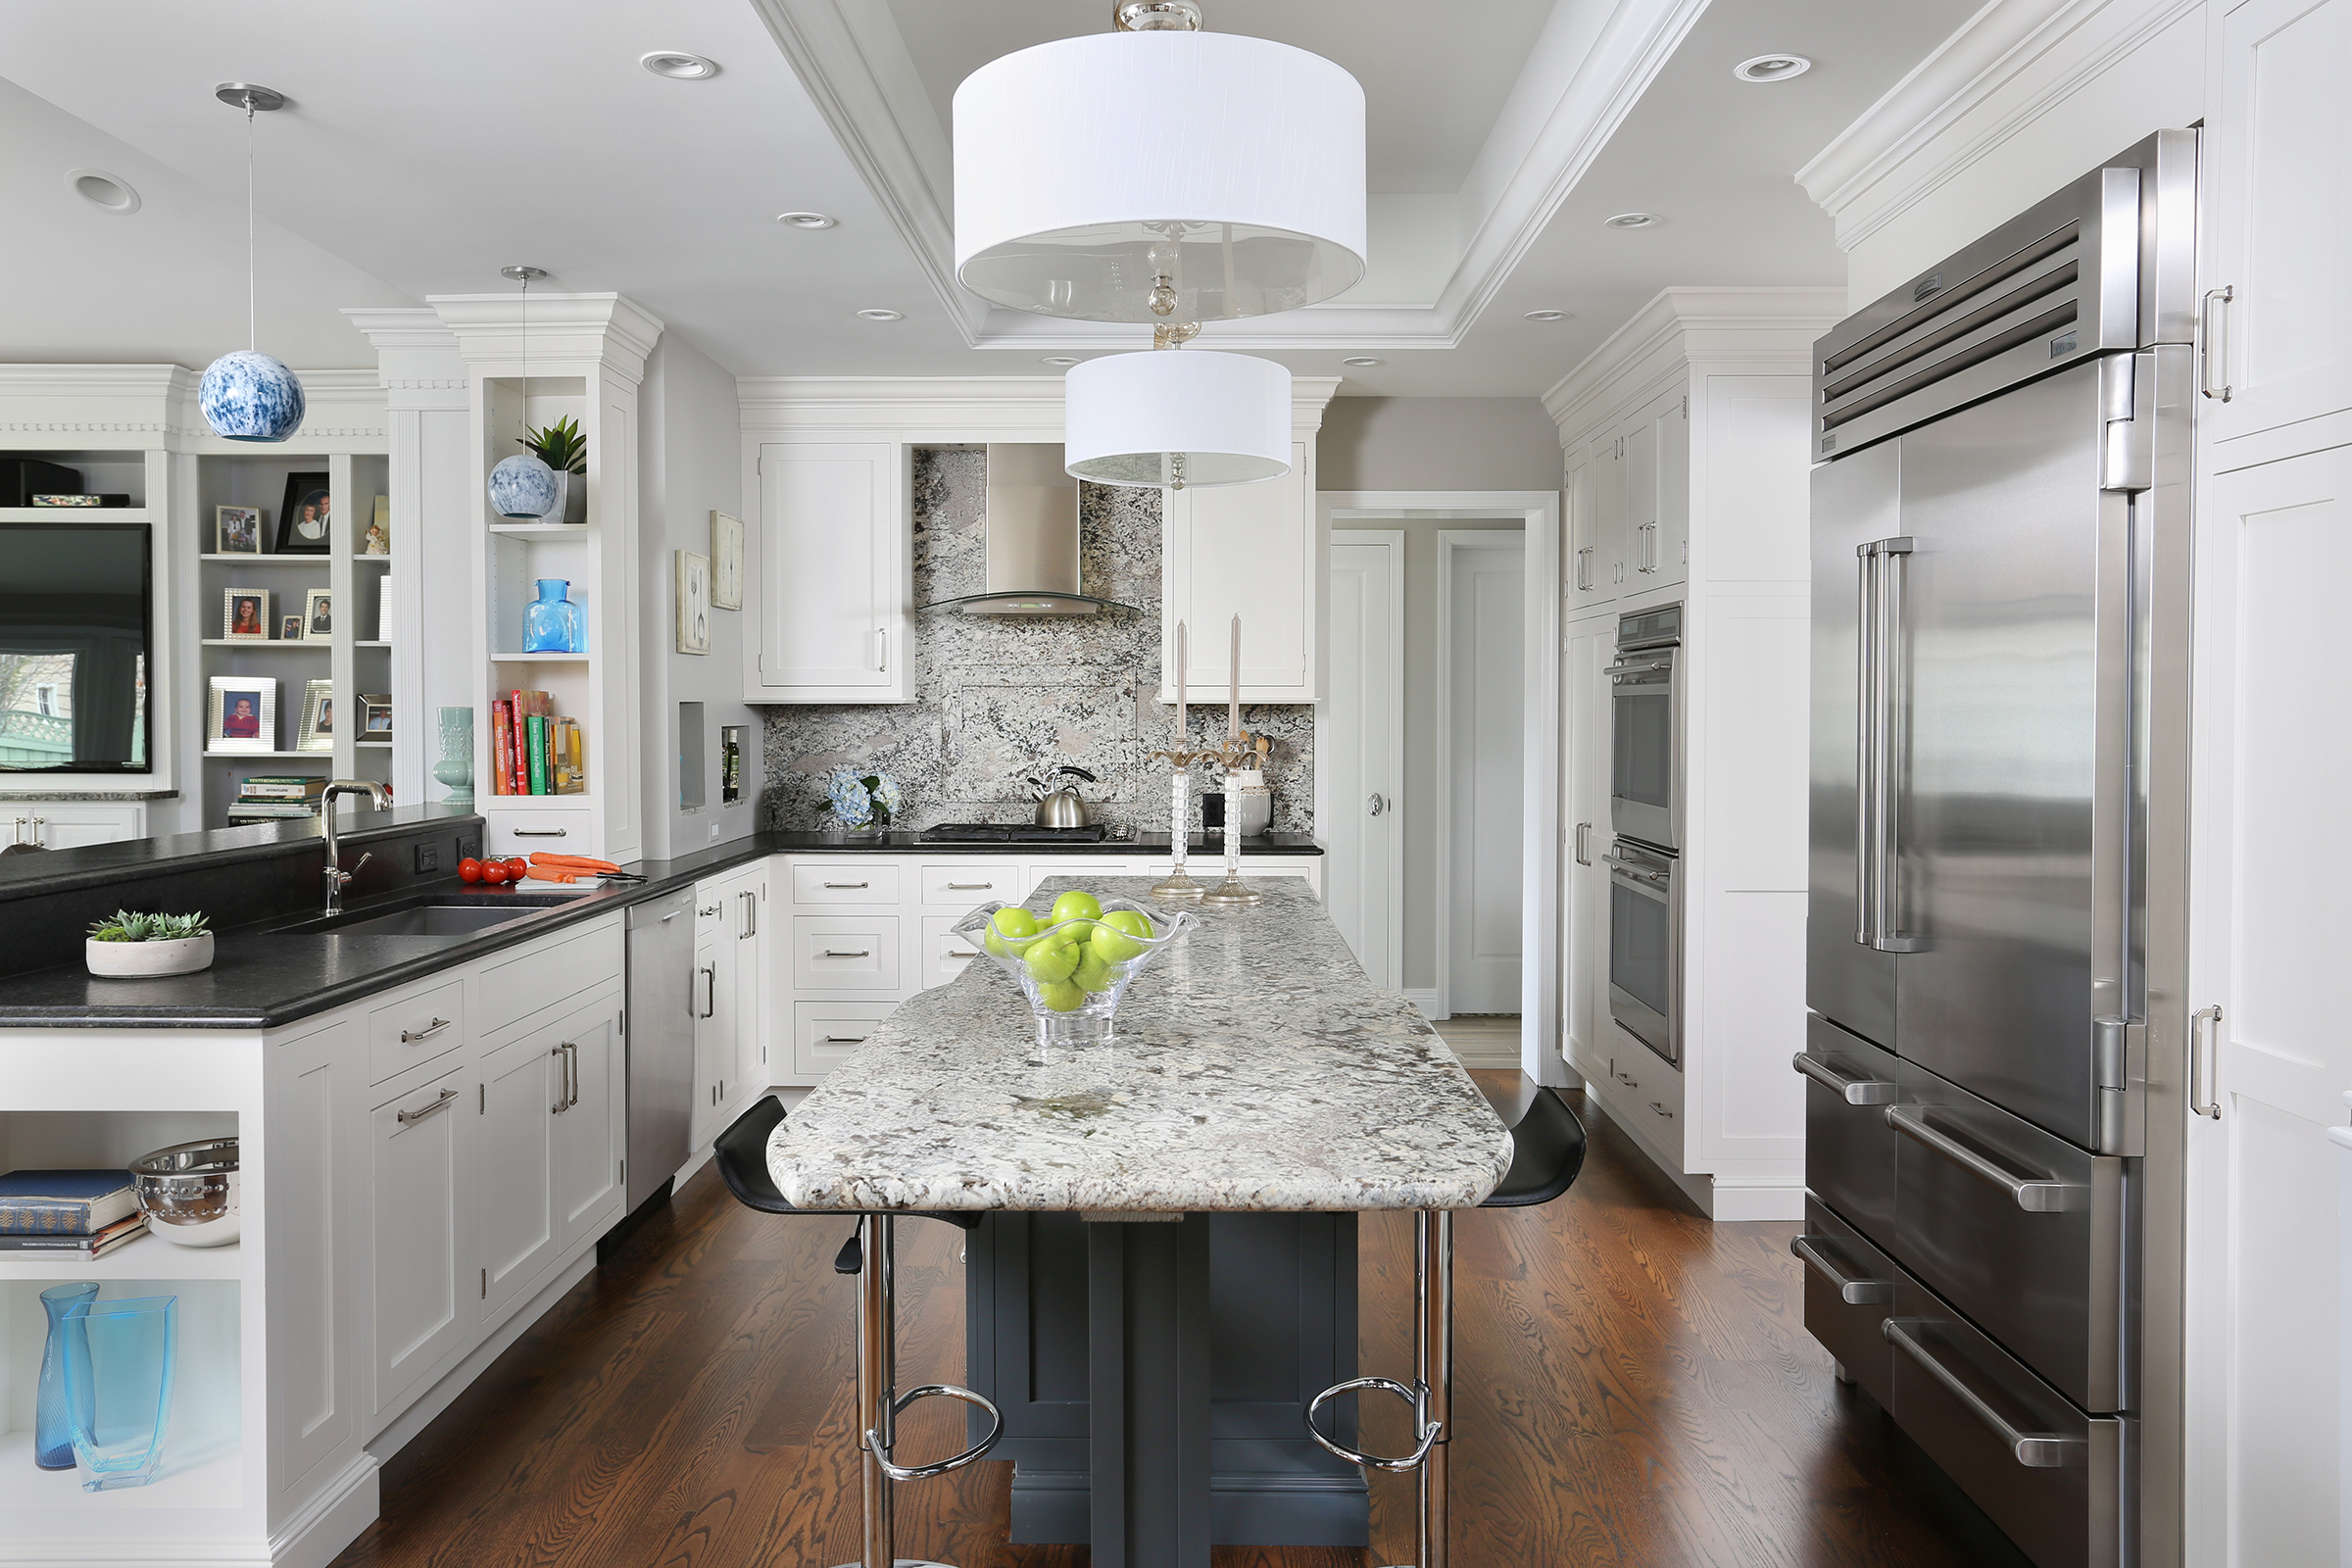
(880, 1403)
(1431, 1392)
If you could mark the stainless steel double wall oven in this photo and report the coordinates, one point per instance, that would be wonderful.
(1645, 818)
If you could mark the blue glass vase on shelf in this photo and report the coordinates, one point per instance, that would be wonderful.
(52, 1426)
(554, 624)
(119, 1357)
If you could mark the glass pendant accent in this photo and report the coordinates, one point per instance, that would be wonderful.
(1159, 174)
(524, 489)
(1177, 419)
(247, 396)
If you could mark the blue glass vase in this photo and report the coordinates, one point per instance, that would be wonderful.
(120, 1360)
(554, 624)
(52, 1430)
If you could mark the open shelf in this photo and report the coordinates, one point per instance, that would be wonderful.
(315, 644)
(265, 559)
(327, 758)
(370, 642)
(539, 659)
(217, 1480)
(78, 515)
(541, 530)
(150, 1257)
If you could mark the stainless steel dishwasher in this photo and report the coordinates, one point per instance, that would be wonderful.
(660, 1042)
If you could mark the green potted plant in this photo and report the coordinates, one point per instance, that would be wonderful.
(562, 448)
(128, 946)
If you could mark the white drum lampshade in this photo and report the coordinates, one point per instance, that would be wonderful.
(1088, 168)
(1177, 418)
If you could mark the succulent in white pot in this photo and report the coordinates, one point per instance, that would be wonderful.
(128, 946)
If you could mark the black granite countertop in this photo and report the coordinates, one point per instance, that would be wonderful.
(264, 976)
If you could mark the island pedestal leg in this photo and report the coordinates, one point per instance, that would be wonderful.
(1149, 1388)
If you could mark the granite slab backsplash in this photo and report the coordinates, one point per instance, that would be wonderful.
(998, 699)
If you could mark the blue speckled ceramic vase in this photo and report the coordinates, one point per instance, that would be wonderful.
(524, 489)
(250, 397)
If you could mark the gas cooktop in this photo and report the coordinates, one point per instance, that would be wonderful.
(1011, 833)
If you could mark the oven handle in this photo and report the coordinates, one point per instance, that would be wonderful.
(1636, 870)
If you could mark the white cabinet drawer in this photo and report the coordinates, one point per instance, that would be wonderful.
(1645, 1092)
(709, 909)
(945, 953)
(844, 953)
(968, 884)
(554, 971)
(826, 1033)
(845, 881)
(402, 1034)
(557, 829)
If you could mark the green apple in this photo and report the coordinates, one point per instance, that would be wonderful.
(1075, 904)
(1014, 922)
(1062, 996)
(1094, 972)
(1051, 961)
(1115, 939)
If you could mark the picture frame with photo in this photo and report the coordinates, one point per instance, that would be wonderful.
(694, 602)
(318, 615)
(376, 717)
(238, 530)
(317, 732)
(726, 562)
(241, 713)
(245, 615)
(305, 522)
(289, 628)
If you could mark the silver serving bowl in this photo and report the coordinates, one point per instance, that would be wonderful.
(189, 1192)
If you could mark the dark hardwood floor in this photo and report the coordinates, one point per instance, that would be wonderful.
(1633, 1386)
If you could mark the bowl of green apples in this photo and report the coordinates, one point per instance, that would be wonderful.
(1075, 962)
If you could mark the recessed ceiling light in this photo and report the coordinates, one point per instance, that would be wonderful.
(1060, 359)
(1772, 68)
(1548, 316)
(101, 190)
(807, 220)
(678, 65)
(879, 315)
(1631, 220)
(1364, 361)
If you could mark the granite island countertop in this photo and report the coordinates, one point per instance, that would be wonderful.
(1254, 1068)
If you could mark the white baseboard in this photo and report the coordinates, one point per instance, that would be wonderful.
(1725, 1199)
(332, 1519)
(1426, 998)
(1502, 1054)
(458, 1378)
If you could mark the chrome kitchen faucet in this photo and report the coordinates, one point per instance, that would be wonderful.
(336, 876)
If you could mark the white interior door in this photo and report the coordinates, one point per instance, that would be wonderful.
(2272, 850)
(1483, 599)
(1359, 744)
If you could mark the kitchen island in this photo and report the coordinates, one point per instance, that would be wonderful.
(1166, 1273)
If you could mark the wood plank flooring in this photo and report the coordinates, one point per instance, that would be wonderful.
(1633, 1386)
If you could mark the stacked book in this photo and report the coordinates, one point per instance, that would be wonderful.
(66, 1215)
(274, 796)
(534, 751)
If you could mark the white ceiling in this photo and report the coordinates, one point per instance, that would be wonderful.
(432, 142)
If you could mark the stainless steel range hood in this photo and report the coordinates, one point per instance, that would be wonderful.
(1032, 538)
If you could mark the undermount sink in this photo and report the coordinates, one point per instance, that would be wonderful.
(447, 915)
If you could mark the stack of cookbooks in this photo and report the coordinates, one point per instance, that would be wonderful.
(66, 1215)
(276, 795)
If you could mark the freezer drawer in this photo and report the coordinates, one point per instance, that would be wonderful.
(1850, 1150)
(2019, 1230)
(1849, 1292)
(2048, 1475)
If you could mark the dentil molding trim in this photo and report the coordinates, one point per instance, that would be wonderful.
(2036, 52)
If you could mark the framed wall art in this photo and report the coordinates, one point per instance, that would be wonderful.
(693, 603)
(726, 562)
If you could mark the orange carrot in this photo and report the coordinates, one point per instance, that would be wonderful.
(571, 862)
(549, 873)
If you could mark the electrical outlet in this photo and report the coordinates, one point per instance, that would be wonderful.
(429, 857)
(714, 830)
(469, 848)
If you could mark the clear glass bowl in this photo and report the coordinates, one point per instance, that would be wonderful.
(1074, 1002)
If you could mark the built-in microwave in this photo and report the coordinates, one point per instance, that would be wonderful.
(1645, 730)
(1646, 946)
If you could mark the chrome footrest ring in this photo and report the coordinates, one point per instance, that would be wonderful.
(919, 1472)
(1429, 1433)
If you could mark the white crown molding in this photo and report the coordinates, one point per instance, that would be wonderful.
(607, 329)
(406, 327)
(1767, 328)
(945, 409)
(1582, 79)
(2007, 65)
(158, 404)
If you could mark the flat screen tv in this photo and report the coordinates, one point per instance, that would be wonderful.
(76, 633)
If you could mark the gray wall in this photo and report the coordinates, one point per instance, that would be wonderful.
(690, 463)
(1437, 444)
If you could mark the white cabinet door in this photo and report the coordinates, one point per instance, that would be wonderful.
(2277, 169)
(587, 1134)
(422, 1226)
(72, 824)
(2270, 850)
(1248, 550)
(825, 1034)
(514, 1164)
(1589, 646)
(314, 1175)
(835, 578)
(1596, 511)
(746, 933)
(1657, 478)
(945, 953)
(714, 1045)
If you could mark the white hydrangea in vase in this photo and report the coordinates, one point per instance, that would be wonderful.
(862, 802)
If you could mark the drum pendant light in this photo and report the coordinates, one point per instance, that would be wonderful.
(1177, 420)
(1160, 174)
(248, 396)
(522, 487)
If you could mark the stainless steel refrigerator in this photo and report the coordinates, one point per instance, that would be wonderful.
(2002, 449)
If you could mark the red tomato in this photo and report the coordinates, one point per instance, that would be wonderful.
(517, 868)
(494, 872)
(469, 869)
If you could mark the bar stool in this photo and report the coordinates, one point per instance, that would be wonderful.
(1548, 1149)
(740, 1152)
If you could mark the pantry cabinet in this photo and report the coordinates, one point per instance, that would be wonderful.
(1247, 550)
(832, 560)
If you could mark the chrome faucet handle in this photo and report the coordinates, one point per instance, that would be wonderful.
(342, 876)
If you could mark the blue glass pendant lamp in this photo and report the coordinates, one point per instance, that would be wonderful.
(248, 396)
(522, 487)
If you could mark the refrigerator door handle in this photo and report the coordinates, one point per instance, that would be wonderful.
(1852, 1089)
(2035, 1197)
(2040, 1451)
(1877, 830)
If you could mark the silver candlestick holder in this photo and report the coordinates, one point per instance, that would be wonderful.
(1236, 757)
(1177, 887)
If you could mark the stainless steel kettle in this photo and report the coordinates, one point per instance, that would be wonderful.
(1063, 807)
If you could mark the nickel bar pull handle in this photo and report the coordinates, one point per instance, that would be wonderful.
(2211, 345)
(1847, 1087)
(405, 1117)
(2033, 1194)
(409, 1037)
(2038, 1451)
(2205, 1062)
(1855, 1289)
(542, 832)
